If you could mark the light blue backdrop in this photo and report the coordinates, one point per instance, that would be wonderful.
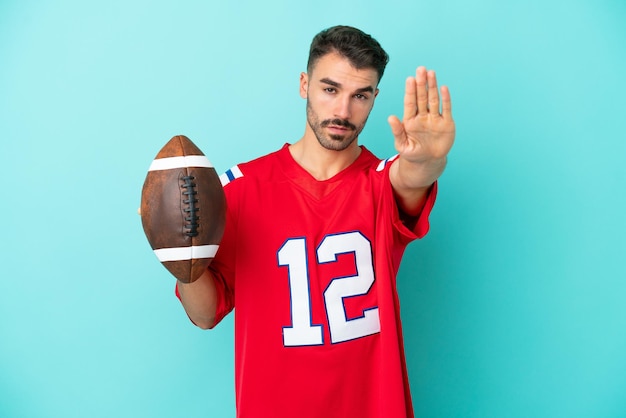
(513, 306)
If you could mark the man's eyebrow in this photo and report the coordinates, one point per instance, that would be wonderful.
(330, 82)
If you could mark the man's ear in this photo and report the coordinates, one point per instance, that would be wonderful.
(304, 85)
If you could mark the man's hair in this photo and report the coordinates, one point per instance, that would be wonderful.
(359, 48)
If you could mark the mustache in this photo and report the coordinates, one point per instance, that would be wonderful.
(338, 122)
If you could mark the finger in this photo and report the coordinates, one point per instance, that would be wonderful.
(422, 90)
(446, 103)
(410, 98)
(433, 93)
(139, 211)
(397, 129)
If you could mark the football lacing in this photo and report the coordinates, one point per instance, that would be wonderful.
(191, 208)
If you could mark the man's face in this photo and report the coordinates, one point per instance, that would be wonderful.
(339, 100)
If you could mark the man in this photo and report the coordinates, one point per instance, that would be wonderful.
(314, 237)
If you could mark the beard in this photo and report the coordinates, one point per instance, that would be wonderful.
(332, 142)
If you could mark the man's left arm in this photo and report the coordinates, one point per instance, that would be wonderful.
(423, 139)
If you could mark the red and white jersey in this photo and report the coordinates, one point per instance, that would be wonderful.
(310, 269)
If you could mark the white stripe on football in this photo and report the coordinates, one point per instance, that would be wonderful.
(180, 162)
(186, 253)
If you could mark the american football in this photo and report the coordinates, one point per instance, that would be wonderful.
(183, 209)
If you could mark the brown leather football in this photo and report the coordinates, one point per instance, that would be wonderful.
(183, 209)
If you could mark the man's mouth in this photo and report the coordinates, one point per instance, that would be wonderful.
(340, 125)
(337, 128)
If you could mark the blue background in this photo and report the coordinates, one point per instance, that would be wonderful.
(513, 305)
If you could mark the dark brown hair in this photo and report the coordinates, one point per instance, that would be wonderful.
(359, 48)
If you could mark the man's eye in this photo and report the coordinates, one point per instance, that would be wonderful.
(330, 90)
(360, 96)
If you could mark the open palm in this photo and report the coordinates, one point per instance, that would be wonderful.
(427, 129)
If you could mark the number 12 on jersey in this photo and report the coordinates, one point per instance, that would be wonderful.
(293, 255)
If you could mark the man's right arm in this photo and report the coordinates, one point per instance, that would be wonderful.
(199, 299)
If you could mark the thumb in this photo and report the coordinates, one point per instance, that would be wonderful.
(397, 128)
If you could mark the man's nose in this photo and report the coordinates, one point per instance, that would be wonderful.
(342, 108)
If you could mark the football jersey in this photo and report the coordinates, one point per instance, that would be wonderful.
(309, 268)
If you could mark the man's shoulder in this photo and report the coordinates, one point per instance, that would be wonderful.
(261, 166)
(371, 161)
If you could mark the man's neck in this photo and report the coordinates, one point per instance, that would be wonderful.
(320, 162)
